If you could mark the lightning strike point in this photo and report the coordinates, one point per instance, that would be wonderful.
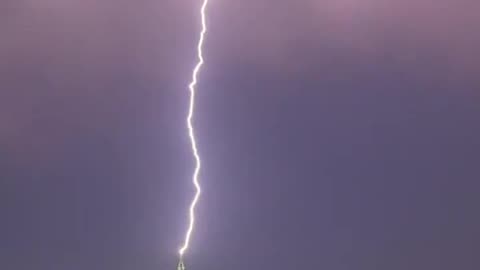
(181, 265)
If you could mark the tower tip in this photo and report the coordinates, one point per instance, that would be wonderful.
(181, 265)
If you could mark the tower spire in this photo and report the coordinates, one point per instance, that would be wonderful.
(181, 265)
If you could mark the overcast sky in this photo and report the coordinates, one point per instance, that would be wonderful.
(335, 134)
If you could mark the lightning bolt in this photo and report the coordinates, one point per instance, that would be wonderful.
(191, 132)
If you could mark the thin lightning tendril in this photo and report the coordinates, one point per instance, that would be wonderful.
(191, 132)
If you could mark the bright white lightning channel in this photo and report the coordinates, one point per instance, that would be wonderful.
(191, 132)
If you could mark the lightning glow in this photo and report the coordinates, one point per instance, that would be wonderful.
(191, 132)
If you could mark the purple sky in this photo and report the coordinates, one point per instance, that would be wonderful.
(335, 134)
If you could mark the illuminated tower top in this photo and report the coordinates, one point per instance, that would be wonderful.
(181, 266)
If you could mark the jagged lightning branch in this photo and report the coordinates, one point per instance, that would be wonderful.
(191, 132)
